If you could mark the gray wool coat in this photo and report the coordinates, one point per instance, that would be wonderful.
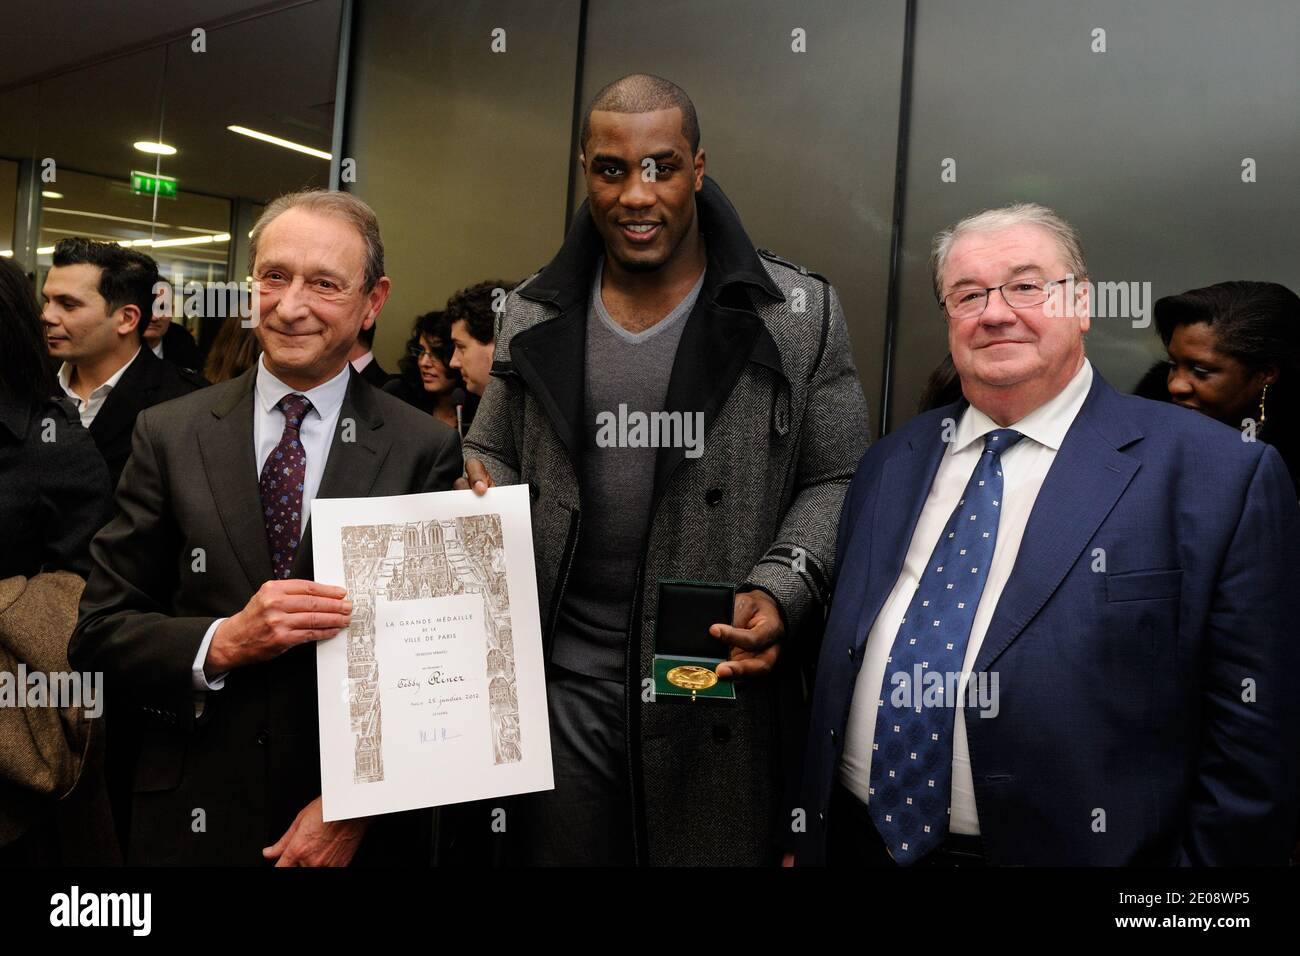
(765, 355)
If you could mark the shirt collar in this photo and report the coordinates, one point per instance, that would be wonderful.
(65, 376)
(326, 399)
(1046, 424)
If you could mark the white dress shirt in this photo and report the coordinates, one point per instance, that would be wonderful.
(89, 407)
(362, 361)
(316, 434)
(1024, 467)
(158, 349)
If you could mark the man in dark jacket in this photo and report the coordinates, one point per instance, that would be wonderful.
(363, 358)
(172, 342)
(99, 299)
(659, 304)
(238, 628)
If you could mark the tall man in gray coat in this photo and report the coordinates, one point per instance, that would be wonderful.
(658, 302)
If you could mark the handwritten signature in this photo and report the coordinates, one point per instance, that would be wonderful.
(435, 679)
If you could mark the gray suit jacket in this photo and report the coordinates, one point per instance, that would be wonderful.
(187, 546)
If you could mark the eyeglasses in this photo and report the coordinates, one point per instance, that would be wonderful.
(1018, 294)
(418, 352)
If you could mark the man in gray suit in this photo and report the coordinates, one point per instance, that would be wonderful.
(200, 608)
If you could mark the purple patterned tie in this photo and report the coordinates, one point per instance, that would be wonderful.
(281, 486)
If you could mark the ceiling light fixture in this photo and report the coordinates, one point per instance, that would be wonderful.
(158, 149)
(277, 141)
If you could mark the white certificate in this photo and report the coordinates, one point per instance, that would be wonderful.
(436, 693)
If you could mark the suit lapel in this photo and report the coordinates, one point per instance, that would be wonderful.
(357, 452)
(226, 446)
(718, 341)
(1085, 481)
(132, 393)
(905, 481)
(551, 359)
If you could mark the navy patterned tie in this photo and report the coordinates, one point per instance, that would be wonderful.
(911, 762)
(281, 486)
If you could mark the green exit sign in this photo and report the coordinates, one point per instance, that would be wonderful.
(150, 184)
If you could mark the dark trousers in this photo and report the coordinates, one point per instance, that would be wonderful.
(853, 841)
(587, 819)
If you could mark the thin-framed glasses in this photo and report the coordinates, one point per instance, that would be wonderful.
(418, 352)
(1018, 294)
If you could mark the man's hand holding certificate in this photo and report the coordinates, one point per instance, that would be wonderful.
(435, 693)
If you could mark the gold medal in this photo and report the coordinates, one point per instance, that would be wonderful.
(691, 677)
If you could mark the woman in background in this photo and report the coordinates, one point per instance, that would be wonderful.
(54, 490)
(54, 496)
(1234, 354)
(234, 350)
(425, 377)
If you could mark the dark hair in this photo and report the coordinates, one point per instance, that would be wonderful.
(943, 387)
(435, 326)
(26, 373)
(1258, 324)
(473, 306)
(234, 350)
(126, 277)
(1154, 385)
(644, 93)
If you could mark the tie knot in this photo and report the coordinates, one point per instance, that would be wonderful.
(1000, 439)
(294, 408)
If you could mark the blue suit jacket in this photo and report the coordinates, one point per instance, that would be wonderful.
(1147, 654)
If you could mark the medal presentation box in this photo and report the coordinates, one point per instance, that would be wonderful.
(686, 654)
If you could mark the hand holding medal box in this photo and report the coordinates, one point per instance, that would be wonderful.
(686, 654)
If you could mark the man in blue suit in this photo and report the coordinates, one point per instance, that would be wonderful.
(1060, 633)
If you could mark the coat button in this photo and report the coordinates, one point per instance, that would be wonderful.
(850, 653)
(832, 735)
(263, 738)
(712, 497)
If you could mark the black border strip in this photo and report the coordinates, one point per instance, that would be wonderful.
(342, 77)
(576, 120)
(896, 229)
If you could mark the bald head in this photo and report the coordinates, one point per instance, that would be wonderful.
(644, 93)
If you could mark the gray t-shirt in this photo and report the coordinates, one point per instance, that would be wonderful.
(626, 381)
